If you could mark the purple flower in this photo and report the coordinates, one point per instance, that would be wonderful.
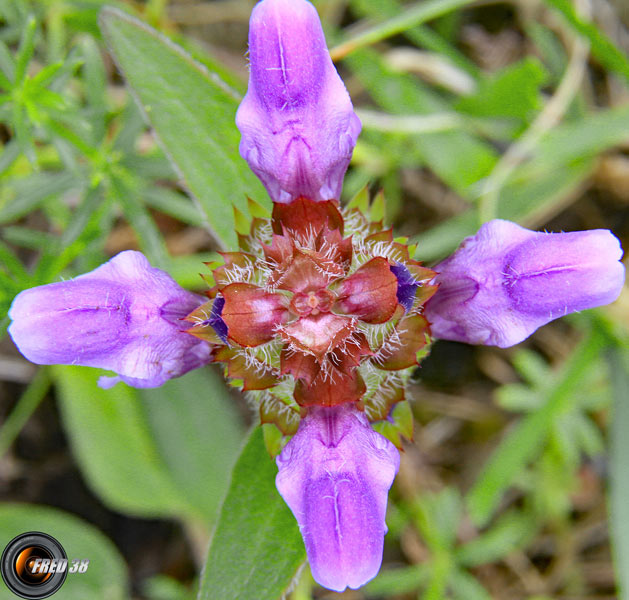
(124, 316)
(297, 122)
(506, 281)
(335, 475)
(336, 306)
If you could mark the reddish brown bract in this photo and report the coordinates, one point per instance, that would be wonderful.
(313, 317)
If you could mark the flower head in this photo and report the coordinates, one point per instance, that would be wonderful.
(125, 316)
(335, 475)
(297, 122)
(506, 281)
(321, 314)
(325, 312)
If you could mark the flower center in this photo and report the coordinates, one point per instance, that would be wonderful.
(312, 303)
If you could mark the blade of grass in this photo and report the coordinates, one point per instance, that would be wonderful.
(602, 47)
(423, 36)
(25, 407)
(527, 438)
(26, 49)
(416, 14)
(619, 470)
(149, 236)
(7, 64)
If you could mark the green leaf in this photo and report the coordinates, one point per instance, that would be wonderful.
(127, 454)
(579, 139)
(7, 66)
(187, 269)
(413, 15)
(171, 203)
(466, 587)
(512, 92)
(403, 580)
(28, 193)
(619, 469)
(256, 548)
(106, 576)
(10, 152)
(151, 240)
(422, 35)
(538, 189)
(113, 445)
(197, 434)
(438, 516)
(26, 405)
(602, 47)
(163, 587)
(510, 532)
(192, 112)
(26, 49)
(527, 439)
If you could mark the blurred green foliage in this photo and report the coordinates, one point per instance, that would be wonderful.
(78, 170)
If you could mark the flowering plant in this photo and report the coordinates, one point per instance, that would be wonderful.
(321, 313)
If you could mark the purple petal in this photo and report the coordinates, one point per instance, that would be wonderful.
(216, 321)
(297, 122)
(506, 281)
(124, 316)
(335, 475)
(406, 285)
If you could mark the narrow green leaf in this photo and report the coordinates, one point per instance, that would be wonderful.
(151, 240)
(13, 265)
(527, 439)
(466, 587)
(403, 580)
(129, 128)
(46, 75)
(538, 189)
(602, 47)
(87, 215)
(5, 83)
(9, 154)
(7, 64)
(619, 469)
(26, 405)
(586, 137)
(28, 238)
(171, 203)
(106, 577)
(510, 532)
(549, 48)
(416, 14)
(422, 35)
(95, 82)
(192, 112)
(257, 548)
(28, 193)
(25, 51)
